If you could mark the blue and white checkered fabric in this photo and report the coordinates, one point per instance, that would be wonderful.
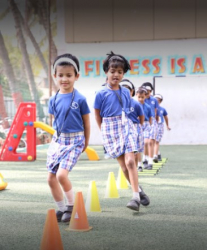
(118, 139)
(146, 128)
(160, 132)
(153, 130)
(68, 150)
(140, 138)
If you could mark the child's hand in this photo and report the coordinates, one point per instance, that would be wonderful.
(84, 148)
(168, 128)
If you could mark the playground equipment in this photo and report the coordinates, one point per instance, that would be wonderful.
(25, 119)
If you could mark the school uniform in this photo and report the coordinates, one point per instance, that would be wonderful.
(119, 134)
(136, 111)
(153, 103)
(68, 141)
(147, 115)
(161, 113)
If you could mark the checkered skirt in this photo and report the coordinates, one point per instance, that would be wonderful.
(146, 129)
(160, 132)
(69, 149)
(140, 138)
(153, 131)
(118, 138)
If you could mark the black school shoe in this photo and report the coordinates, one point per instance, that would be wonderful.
(145, 163)
(67, 214)
(149, 167)
(59, 215)
(155, 159)
(144, 199)
(134, 204)
(140, 169)
(159, 158)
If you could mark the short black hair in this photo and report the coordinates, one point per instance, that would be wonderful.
(148, 84)
(114, 61)
(72, 57)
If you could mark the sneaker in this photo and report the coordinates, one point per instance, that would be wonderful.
(59, 215)
(159, 158)
(140, 169)
(134, 204)
(149, 167)
(144, 199)
(67, 214)
(145, 163)
(107, 156)
(155, 159)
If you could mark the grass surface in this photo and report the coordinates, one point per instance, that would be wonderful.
(175, 219)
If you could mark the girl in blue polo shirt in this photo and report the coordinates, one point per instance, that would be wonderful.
(162, 117)
(112, 107)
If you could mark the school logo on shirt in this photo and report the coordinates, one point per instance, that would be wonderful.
(153, 102)
(131, 109)
(74, 105)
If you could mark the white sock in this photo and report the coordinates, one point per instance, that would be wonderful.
(61, 205)
(150, 161)
(69, 197)
(139, 164)
(136, 195)
(145, 157)
(155, 156)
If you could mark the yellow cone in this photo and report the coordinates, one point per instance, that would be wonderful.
(3, 184)
(92, 201)
(121, 180)
(111, 188)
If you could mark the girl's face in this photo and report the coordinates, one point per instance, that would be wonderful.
(115, 75)
(65, 77)
(148, 93)
(141, 97)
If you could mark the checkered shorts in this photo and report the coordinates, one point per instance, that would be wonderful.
(66, 152)
(146, 129)
(140, 138)
(118, 139)
(153, 130)
(160, 132)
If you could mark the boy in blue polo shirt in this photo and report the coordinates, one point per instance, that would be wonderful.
(162, 117)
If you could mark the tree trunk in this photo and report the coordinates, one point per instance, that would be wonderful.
(13, 84)
(27, 64)
(3, 112)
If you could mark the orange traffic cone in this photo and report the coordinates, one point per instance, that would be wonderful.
(79, 221)
(51, 239)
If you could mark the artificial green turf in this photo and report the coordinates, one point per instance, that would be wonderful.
(175, 219)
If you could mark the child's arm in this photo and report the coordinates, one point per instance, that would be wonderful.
(167, 122)
(141, 119)
(86, 124)
(150, 120)
(98, 118)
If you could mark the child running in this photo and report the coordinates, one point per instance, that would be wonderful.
(112, 107)
(141, 95)
(72, 125)
(162, 116)
(153, 103)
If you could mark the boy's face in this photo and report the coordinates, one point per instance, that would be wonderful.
(115, 75)
(141, 97)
